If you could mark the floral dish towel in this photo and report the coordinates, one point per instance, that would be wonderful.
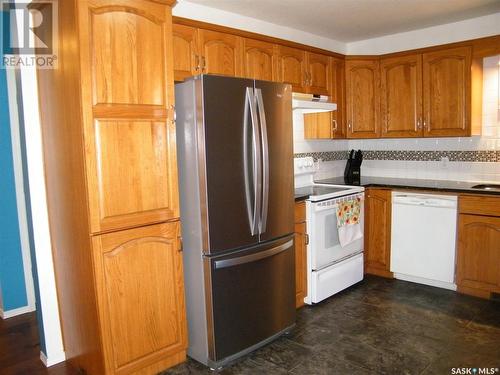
(348, 212)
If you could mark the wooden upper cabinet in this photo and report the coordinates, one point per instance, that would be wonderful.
(378, 232)
(260, 60)
(401, 96)
(220, 53)
(362, 98)
(319, 125)
(337, 94)
(127, 95)
(318, 74)
(140, 290)
(292, 68)
(478, 254)
(185, 45)
(446, 92)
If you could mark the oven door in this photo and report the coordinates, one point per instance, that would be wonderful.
(324, 247)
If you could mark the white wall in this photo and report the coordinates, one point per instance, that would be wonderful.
(453, 32)
(211, 15)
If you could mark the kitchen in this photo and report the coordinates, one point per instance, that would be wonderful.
(114, 200)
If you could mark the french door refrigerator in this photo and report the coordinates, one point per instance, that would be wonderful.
(235, 161)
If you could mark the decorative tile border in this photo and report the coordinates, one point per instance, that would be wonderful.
(470, 156)
(325, 155)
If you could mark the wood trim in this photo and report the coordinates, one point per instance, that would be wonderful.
(300, 212)
(370, 270)
(251, 35)
(127, 111)
(482, 47)
(479, 205)
(474, 292)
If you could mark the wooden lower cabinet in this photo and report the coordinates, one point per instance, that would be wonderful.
(140, 294)
(377, 232)
(478, 250)
(300, 254)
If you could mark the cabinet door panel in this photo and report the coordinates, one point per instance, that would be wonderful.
(222, 53)
(140, 288)
(362, 94)
(318, 125)
(260, 60)
(300, 264)
(479, 252)
(293, 68)
(133, 172)
(447, 80)
(186, 58)
(128, 58)
(378, 232)
(319, 71)
(337, 93)
(127, 87)
(401, 96)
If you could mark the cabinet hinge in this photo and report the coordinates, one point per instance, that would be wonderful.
(307, 239)
(180, 245)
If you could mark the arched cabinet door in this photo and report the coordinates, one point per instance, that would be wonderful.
(220, 53)
(478, 254)
(292, 68)
(186, 58)
(446, 92)
(260, 60)
(127, 103)
(141, 295)
(362, 98)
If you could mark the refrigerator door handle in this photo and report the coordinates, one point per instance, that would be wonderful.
(253, 208)
(265, 162)
(218, 264)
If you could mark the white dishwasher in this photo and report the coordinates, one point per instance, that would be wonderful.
(423, 238)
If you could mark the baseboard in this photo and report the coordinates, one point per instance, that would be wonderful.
(53, 360)
(14, 312)
(421, 280)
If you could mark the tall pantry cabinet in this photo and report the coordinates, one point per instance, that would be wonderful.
(109, 150)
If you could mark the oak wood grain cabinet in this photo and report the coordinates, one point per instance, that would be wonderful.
(220, 53)
(478, 250)
(446, 92)
(186, 58)
(300, 254)
(318, 74)
(260, 60)
(401, 97)
(377, 233)
(362, 98)
(329, 125)
(198, 51)
(292, 68)
(110, 167)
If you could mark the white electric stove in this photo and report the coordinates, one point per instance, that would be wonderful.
(330, 267)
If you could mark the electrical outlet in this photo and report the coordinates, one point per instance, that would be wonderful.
(444, 162)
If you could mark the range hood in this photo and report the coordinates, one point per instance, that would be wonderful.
(309, 103)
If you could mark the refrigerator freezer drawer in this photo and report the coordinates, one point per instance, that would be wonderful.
(251, 298)
(337, 277)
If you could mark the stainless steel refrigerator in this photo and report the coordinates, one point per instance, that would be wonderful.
(235, 159)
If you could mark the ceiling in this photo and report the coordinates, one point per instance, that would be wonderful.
(353, 20)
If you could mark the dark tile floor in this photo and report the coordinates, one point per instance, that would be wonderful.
(380, 326)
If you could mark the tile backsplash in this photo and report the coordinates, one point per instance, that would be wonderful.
(462, 158)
